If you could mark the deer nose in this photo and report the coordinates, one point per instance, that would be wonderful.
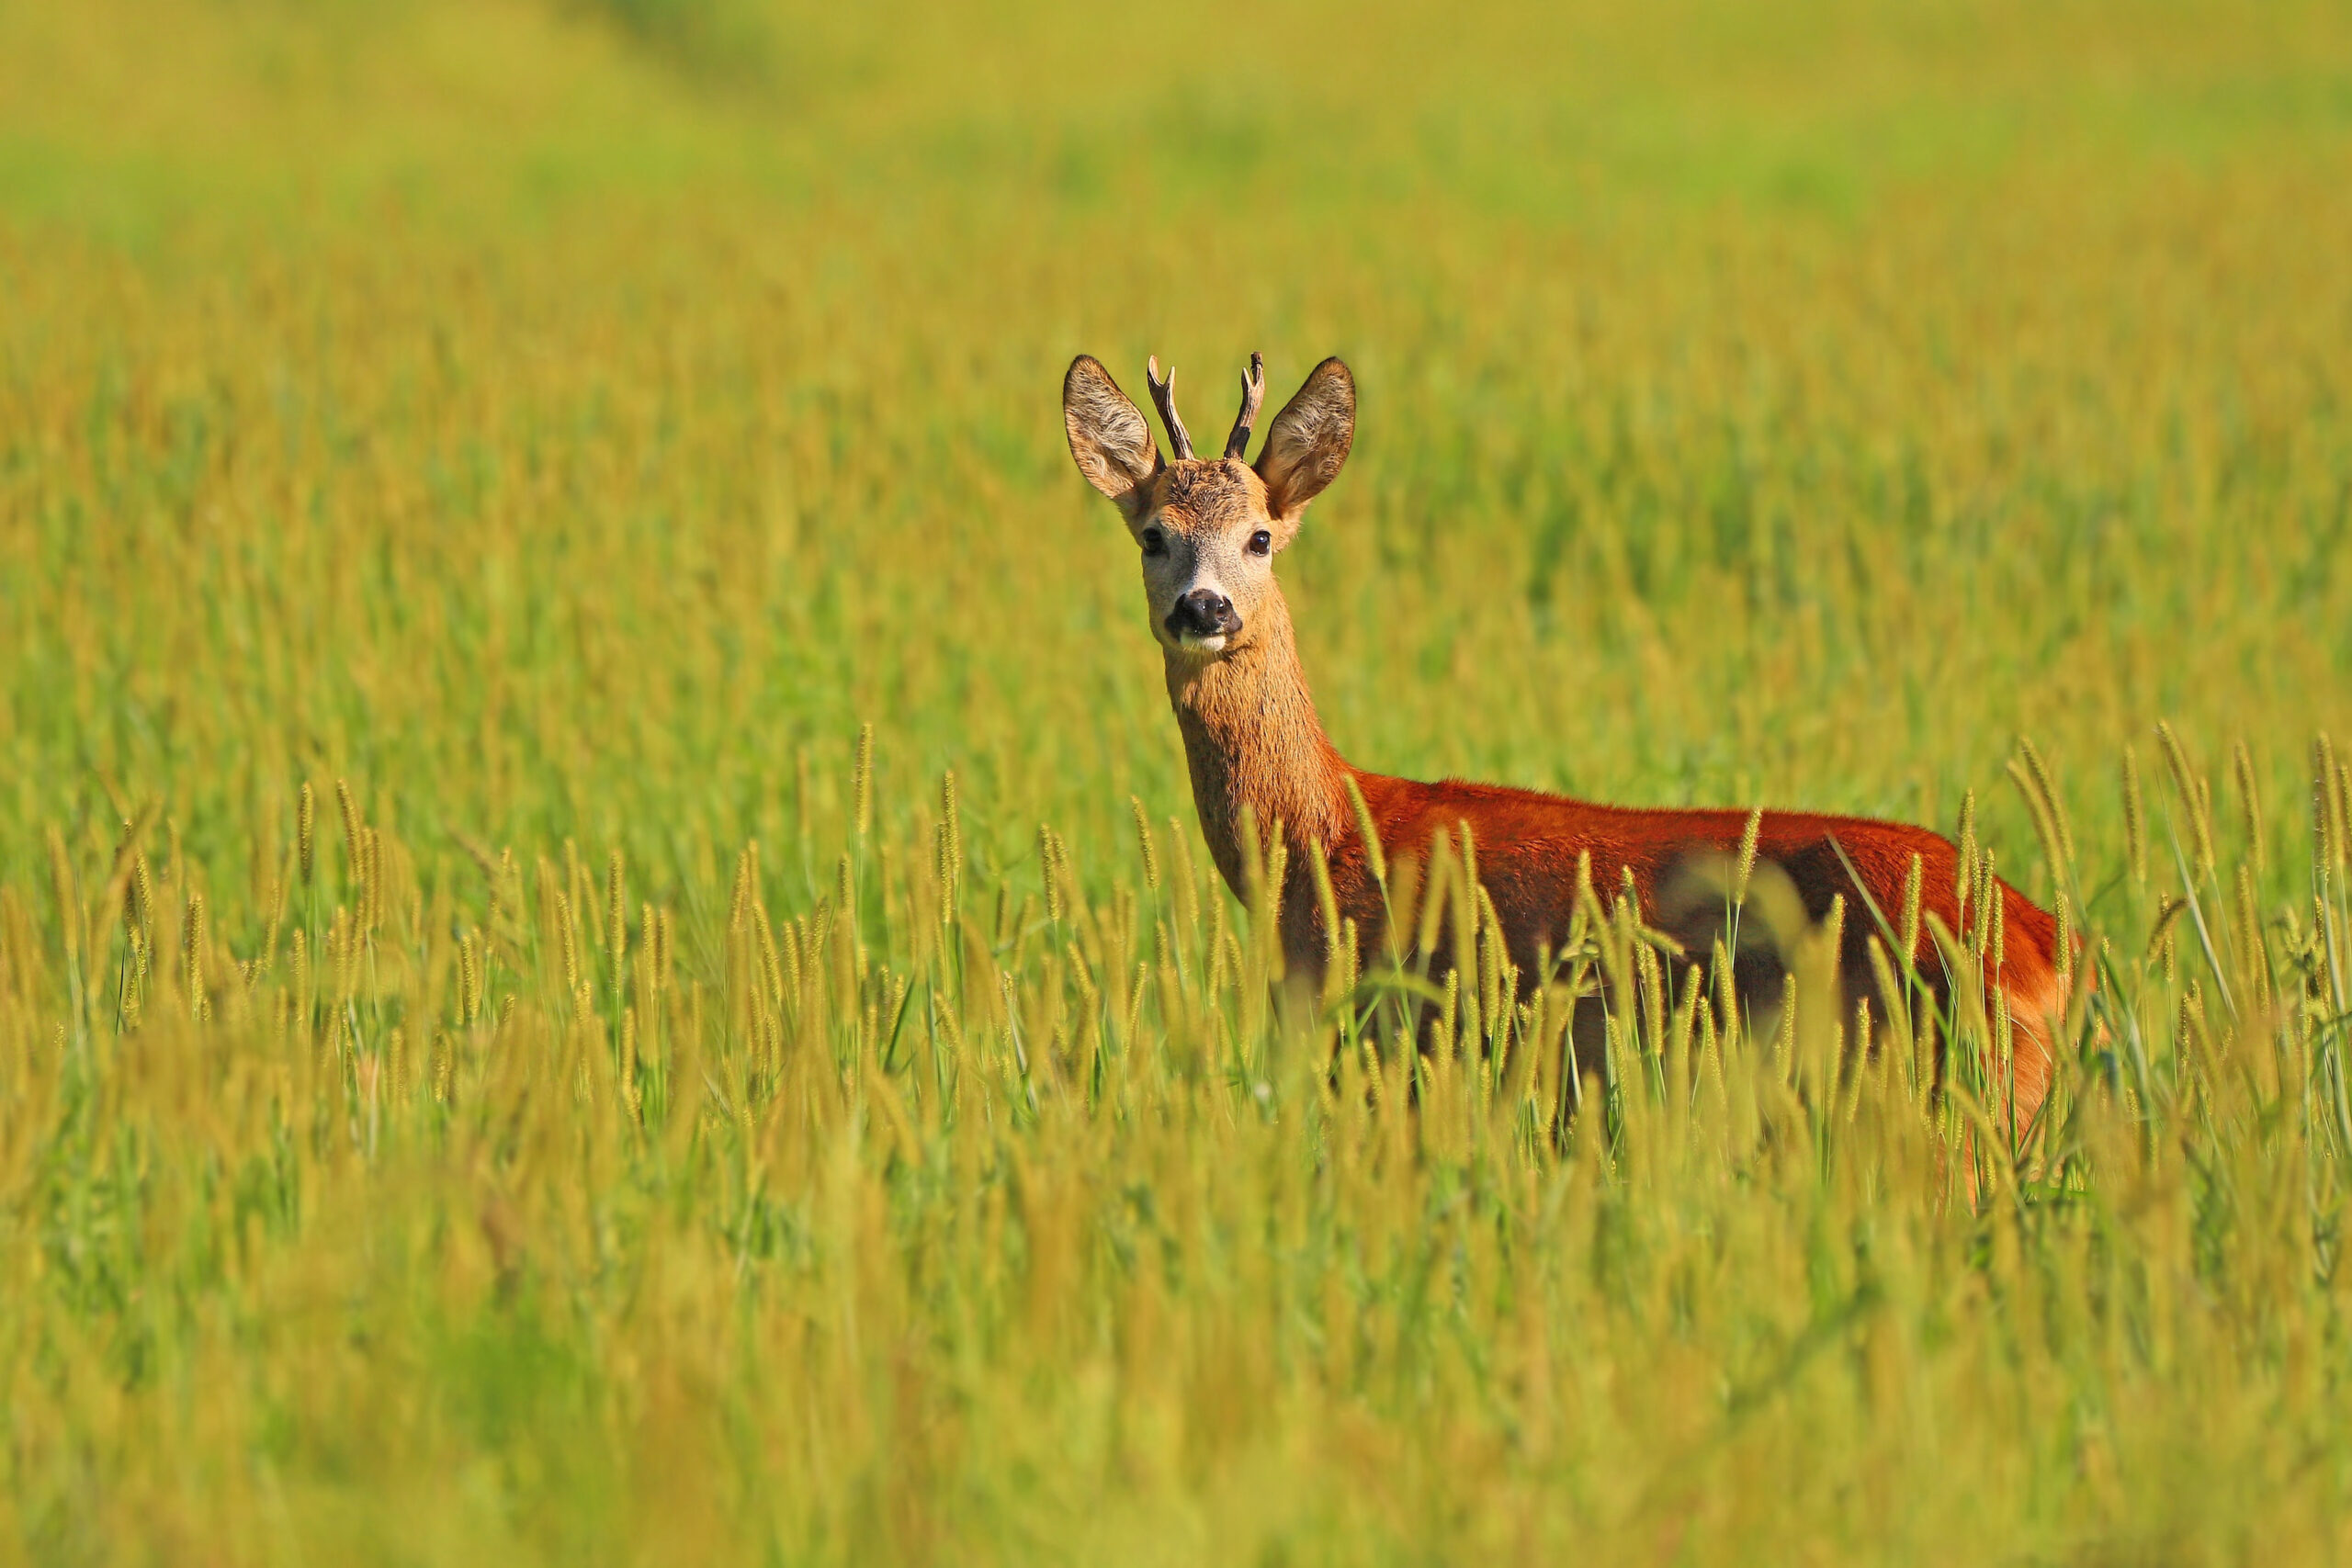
(1203, 613)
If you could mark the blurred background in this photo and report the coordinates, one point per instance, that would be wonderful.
(567, 417)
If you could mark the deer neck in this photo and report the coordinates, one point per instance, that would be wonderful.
(1254, 744)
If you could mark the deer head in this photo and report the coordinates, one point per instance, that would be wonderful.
(1209, 528)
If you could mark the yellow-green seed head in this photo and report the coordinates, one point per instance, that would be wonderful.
(1966, 863)
(306, 832)
(615, 911)
(2249, 803)
(1745, 866)
(192, 937)
(1143, 840)
(1375, 858)
(353, 850)
(863, 790)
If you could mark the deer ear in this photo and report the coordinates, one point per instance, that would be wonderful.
(1309, 440)
(1108, 436)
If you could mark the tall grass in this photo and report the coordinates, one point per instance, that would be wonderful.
(988, 1217)
(499, 1061)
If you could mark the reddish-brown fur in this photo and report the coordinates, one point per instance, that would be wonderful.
(1256, 747)
(1528, 846)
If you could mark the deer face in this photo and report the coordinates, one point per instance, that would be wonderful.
(1208, 529)
(1208, 554)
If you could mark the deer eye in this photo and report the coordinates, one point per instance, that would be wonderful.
(1153, 544)
(1261, 543)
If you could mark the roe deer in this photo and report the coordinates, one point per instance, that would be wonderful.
(1209, 530)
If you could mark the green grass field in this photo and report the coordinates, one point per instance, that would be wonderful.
(612, 1121)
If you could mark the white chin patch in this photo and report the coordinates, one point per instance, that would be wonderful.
(1205, 644)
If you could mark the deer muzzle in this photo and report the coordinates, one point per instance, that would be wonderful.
(1202, 615)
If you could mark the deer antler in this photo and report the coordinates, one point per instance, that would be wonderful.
(1254, 392)
(1163, 392)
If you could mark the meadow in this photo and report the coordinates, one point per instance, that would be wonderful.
(604, 955)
